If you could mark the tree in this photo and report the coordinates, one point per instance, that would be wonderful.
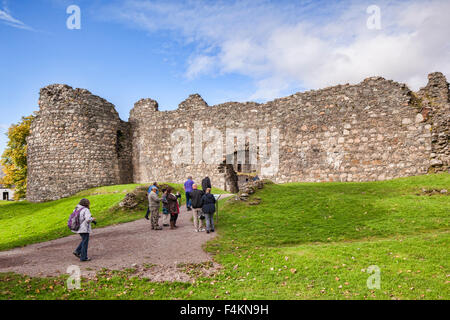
(14, 158)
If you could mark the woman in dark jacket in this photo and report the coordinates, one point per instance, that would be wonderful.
(166, 213)
(206, 183)
(208, 208)
(173, 206)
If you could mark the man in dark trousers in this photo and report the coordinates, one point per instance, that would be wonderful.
(196, 197)
(208, 209)
(188, 189)
(206, 183)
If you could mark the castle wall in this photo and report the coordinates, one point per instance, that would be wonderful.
(375, 130)
(365, 132)
(434, 104)
(153, 146)
(73, 144)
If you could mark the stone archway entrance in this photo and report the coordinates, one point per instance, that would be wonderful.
(237, 174)
(231, 177)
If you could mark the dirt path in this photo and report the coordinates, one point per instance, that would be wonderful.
(117, 247)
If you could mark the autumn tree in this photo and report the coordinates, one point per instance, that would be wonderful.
(14, 158)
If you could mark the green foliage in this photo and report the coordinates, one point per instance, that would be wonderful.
(14, 158)
(416, 101)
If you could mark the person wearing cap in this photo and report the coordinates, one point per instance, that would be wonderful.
(154, 185)
(154, 204)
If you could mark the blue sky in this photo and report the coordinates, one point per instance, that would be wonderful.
(223, 50)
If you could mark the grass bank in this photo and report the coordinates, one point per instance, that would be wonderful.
(303, 241)
(23, 223)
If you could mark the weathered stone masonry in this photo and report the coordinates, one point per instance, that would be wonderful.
(77, 141)
(375, 130)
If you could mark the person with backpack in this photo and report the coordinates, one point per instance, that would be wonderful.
(174, 207)
(196, 200)
(208, 208)
(80, 222)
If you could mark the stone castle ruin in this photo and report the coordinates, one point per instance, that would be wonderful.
(375, 130)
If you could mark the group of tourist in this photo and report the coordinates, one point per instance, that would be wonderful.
(200, 202)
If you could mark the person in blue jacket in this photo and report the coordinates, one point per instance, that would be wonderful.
(188, 189)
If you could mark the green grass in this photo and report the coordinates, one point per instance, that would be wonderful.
(298, 213)
(304, 241)
(23, 223)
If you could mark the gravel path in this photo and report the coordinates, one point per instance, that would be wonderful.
(127, 245)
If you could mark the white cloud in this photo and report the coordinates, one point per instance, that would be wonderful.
(290, 46)
(7, 18)
(199, 65)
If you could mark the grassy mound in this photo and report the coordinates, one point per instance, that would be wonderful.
(23, 223)
(317, 241)
(297, 213)
(304, 241)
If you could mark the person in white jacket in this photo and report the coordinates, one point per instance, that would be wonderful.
(85, 229)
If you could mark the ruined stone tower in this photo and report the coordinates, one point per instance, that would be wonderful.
(375, 130)
(77, 141)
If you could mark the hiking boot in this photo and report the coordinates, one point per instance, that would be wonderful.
(212, 230)
(76, 254)
(207, 231)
